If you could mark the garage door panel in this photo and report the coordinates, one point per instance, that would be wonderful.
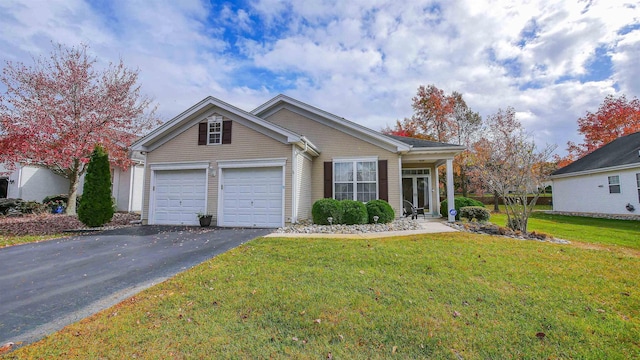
(179, 196)
(253, 197)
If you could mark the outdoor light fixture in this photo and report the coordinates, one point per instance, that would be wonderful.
(375, 219)
(330, 220)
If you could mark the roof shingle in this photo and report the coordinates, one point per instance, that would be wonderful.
(621, 151)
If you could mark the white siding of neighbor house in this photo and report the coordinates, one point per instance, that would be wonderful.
(590, 193)
(127, 188)
(32, 183)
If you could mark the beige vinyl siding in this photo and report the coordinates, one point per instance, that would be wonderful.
(245, 144)
(303, 183)
(334, 143)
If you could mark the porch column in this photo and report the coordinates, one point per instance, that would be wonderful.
(450, 200)
(437, 191)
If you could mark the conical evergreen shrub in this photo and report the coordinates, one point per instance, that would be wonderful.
(96, 206)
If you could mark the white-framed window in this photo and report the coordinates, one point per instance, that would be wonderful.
(614, 184)
(214, 130)
(638, 184)
(355, 180)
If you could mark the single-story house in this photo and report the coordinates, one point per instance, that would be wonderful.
(34, 183)
(265, 168)
(606, 181)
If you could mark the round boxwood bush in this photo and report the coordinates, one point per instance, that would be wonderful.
(382, 210)
(478, 213)
(354, 212)
(325, 208)
(458, 203)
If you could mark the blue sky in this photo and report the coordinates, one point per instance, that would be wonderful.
(361, 59)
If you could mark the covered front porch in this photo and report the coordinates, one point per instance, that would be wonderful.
(420, 179)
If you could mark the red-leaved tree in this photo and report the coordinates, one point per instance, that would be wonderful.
(56, 111)
(407, 128)
(443, 118)
(432, 113)
(615, 117)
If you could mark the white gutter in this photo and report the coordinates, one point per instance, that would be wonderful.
(597, 171)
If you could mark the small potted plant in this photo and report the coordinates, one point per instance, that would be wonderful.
(205, 219)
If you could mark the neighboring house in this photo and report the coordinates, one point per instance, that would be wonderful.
(606, 181)
(265, 168)
(33, 183)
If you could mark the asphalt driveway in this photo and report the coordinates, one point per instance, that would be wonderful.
(45, 286)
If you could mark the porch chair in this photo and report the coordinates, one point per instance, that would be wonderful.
(409, 209)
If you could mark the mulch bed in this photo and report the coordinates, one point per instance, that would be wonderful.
(49, 224)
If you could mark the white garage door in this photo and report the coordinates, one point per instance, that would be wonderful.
(252, 197)
(179, 196)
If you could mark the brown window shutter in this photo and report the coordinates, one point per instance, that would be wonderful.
(226, 132)
(328, 179)
(383, 183)
(202, 134)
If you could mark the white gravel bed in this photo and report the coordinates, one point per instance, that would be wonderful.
(307, 228)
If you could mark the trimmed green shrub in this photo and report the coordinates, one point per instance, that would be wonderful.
(478, 213)
(325, 208)
(96, 206)
(459, 202)
(354, 212)
(382, 210)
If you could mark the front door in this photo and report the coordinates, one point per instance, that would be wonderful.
(415, 188)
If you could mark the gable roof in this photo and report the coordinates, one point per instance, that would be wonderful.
(197, 112)
(362, 132)
(623, 152)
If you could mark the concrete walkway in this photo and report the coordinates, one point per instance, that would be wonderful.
(428, 226)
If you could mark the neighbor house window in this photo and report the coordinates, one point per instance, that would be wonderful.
(638, 183)
(214, 130)
(355, 180)
(614, 184)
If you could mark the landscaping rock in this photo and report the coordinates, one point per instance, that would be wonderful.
(596, 215)
(492, 229)
(310, 228)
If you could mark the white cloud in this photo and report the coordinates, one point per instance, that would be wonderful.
(359, 59)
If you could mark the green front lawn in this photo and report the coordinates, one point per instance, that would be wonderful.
(16, 240)
(584, 229)
(438, 296)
